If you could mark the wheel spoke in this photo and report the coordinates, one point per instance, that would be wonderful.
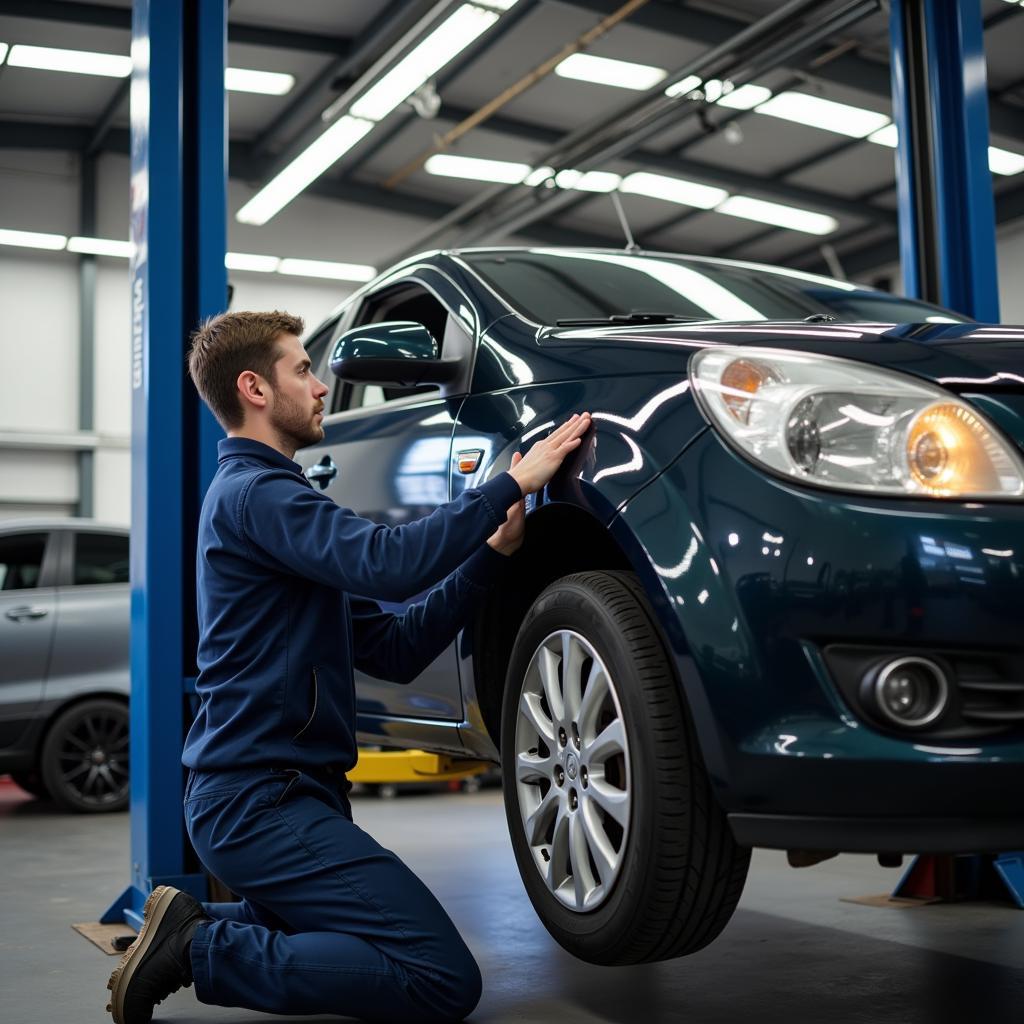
(533, 767)
(537, 823)
(582, 882)
(572, 663)
(611, 800)
(559, 849)
(599, 844)
(593, 698)
(90, 780)
(80, 745)
(610, 742)
(531, 710)
(547, 665)
(68, 776)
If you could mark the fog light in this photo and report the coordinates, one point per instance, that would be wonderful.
(910, 692)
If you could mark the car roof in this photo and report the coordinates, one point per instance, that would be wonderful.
(25, 524)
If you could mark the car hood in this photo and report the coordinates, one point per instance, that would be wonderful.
(961, 357)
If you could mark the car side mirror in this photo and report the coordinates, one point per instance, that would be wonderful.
(400, 353)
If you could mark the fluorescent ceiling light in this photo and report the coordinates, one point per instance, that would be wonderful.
(673, 190)
(323, 268)
(250, 261)
(1000, 161)
(3, 51)
(499, 5)
(48, 58)
(684, 85)
(623, 74)
(779, 215)
(588, 181)
(100, 246)
(887, 136)
(450, 166)
(816, 112)
(32, 239)
(746, 97)
(448, 40)
(305, 168)
(267, 83)
(538, 175)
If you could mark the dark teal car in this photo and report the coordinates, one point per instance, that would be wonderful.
(773, 600)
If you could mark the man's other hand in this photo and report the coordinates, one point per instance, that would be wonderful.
(541, 462)
(508, 538)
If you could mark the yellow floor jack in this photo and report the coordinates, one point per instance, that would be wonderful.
(386, 770)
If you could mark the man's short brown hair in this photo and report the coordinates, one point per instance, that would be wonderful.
(228, 344)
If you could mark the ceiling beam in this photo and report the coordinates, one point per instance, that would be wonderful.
(102, 16)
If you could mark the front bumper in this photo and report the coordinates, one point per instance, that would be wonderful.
(753, 578)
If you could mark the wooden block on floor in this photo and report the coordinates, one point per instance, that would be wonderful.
(885, 900)
(100, 935)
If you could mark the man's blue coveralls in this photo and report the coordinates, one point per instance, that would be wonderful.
(330, 921)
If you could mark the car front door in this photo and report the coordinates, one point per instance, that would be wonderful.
(28, 613)
(385, 454)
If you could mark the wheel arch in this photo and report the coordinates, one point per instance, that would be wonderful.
(561, 538)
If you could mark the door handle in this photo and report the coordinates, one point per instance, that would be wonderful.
(322, 473)
(25, 612)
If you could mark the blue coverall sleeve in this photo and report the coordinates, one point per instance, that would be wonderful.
(288, 525)
(398, 647)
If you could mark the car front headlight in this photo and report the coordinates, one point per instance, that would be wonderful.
(843, 424)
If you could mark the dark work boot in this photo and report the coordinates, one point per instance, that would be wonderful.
(157, 962)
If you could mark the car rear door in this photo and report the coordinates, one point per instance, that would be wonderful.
(387, 452)
(28, 614)
(90, 648)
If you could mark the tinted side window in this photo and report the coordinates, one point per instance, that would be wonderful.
(100, 558)
(21, 559)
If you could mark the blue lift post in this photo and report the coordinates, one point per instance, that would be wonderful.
(948, 256)
(178, 228)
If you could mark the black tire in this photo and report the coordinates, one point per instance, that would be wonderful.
(32, 783)
(84, 761)
(680, 871)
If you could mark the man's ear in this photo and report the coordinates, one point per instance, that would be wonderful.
(252, 388)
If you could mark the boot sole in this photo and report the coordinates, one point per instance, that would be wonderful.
(152, 914)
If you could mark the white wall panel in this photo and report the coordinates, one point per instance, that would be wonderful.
(46, 477)
(39, 341)
(112, 485)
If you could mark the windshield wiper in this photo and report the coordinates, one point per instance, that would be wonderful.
(636, 317)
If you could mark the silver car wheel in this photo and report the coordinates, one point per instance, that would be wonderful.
(572, 771)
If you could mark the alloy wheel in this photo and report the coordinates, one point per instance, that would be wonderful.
(572, 771)
(92, 758)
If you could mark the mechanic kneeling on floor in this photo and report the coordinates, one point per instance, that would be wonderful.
(329, 921)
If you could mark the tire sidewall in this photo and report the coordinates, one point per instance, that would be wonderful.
(590, 935)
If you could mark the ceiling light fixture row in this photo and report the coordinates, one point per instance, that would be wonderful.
(115, 65)
(355, 272)
(800, 108)
(466, 23)
(641, 183)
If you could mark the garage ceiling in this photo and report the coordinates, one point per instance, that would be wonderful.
(325, 45)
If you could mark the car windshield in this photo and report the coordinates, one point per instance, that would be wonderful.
(547, 286)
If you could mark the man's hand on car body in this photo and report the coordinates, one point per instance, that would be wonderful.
(541, 462)
(550, 452)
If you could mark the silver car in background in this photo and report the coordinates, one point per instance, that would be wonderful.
(64, 669)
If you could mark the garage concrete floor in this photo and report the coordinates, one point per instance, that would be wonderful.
(793, 952)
